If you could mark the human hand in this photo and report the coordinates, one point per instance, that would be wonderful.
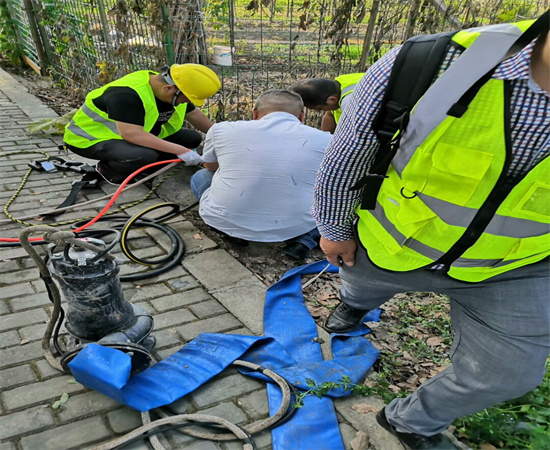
(190, 158)
(339, 253)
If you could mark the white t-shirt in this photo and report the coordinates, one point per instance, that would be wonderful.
(263, 189)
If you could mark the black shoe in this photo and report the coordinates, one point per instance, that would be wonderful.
(413, 441)
(344, 319)
(296, 250)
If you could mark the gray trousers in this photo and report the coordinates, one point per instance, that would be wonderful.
(501, 342)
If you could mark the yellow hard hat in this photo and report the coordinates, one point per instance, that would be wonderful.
(195, 81)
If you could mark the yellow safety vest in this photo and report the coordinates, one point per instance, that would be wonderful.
(90, 125)
(347, 85)
(448, 176)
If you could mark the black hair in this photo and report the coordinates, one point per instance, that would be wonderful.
(316, 91)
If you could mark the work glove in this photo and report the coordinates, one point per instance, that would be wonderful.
(190, 158)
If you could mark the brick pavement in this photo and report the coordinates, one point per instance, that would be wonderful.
(210, 292)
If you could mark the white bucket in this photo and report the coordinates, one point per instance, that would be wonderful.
(222, 56)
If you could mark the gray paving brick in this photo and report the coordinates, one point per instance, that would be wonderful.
(45, 370)
(82, 404)
(4, 307)
(33, 333)
(7, 446)
(19, 354)
(146, 292)
(75, 435)
(178, 300)
(23, 318)
(227, 411)
(39, 392)
(124, 420)
(30, 301)
(39, 286)
(9, 338)
(167, 352)
(220, 389)
(216, 269)
(216, 324)
(175, 272)
(146, 306)
(19, 276)
(183, 406)
(173, 318)
(16, 375)
(255, 404)
(243, 331)
(15, 290)
(207, 309)
(33, 419)
(8, 266)
(182, 284)
(167, 337)
(188, 232)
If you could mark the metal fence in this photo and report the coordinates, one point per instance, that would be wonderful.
(268, 43)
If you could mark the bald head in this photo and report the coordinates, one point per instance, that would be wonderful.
(279, 100)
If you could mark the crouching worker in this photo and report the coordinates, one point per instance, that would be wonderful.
(258, 185)
(137, 119)
(331, 96)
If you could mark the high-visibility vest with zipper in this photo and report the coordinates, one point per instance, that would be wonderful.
(90, 125)
(446, 196)
(347, 85)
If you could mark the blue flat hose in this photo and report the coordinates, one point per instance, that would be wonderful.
(288, 348)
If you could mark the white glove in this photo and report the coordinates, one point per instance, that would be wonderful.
(190, 158)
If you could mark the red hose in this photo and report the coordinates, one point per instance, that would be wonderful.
(108, 205)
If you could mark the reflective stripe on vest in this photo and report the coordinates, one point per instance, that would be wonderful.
(96, 118)
(430, 252)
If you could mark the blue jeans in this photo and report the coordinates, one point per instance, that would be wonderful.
(501, 338)
(201, 181)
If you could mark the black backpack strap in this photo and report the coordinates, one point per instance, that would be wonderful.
(414, 70)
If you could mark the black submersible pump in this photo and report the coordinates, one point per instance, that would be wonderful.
(97, 311)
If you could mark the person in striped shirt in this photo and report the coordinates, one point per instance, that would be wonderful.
(500, 321)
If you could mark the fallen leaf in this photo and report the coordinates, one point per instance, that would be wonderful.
(360, 441)
(56, 405)
(486, 446)
(363, 408)
(197, 236)
(64, 398)
(434, 341)
(414, 310)
(24, 341)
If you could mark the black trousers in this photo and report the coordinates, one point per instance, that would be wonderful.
(120, 158)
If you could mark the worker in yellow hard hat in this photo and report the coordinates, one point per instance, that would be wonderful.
(137, 119)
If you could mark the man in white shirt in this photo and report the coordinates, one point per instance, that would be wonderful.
(259, 176)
